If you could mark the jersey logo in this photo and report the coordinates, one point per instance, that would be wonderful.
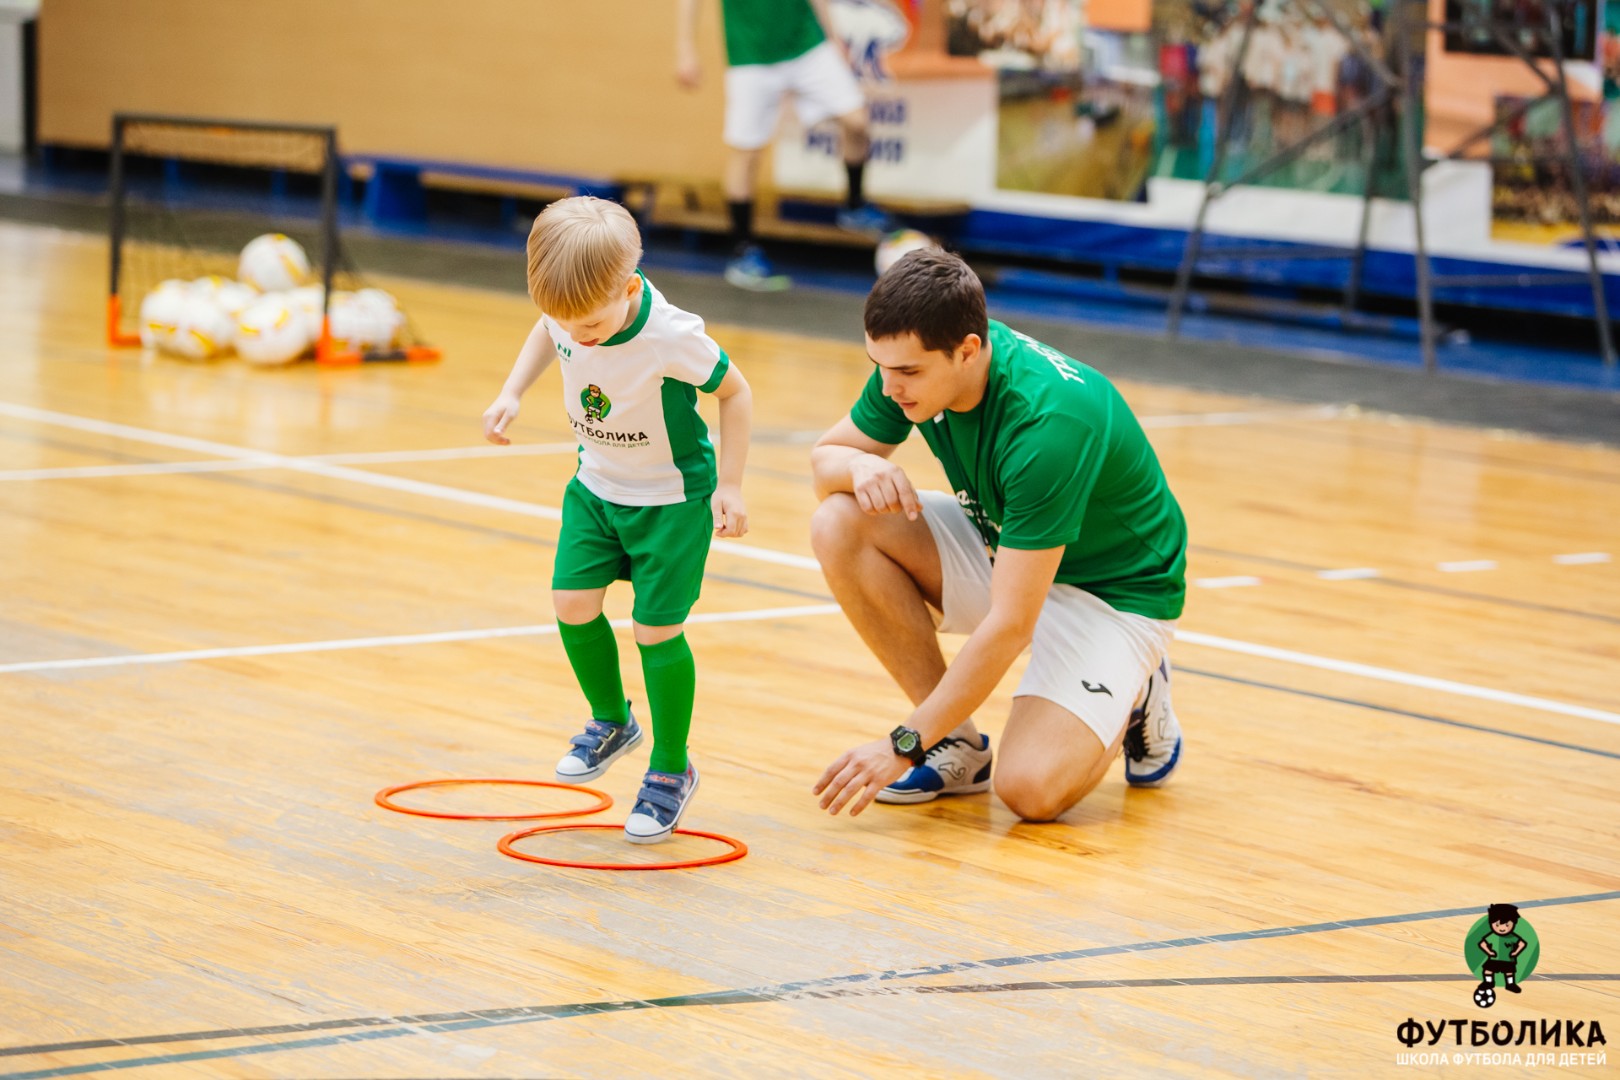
(564, 351)
(1096, 688)
(1051, 356)
(596, 404)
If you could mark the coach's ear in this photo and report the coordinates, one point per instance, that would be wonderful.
(970, 348)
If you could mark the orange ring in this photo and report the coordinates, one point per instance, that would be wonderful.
(738, 850)
(382, 798)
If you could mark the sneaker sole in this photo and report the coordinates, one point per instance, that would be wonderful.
(606, 763)
(1159, 778)
(660, 837)
(907, 798)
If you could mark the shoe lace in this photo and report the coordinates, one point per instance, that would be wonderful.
(943, 746)
(1136, 739)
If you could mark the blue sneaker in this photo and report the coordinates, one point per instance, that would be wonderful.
(953, 767)
(750, 269)
(660, 804)
(599, 746)
(866, 219)
(1153, 735)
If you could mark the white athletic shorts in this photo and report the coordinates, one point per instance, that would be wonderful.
(1086, 657)
(821, 84)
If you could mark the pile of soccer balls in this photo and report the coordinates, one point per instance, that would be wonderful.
(270, 315)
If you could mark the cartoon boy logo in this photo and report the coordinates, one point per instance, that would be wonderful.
(596, 404)
(1501, 943)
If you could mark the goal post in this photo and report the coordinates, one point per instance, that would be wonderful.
(188, 192)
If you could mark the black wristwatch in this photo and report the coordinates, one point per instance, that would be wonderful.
(908, 744)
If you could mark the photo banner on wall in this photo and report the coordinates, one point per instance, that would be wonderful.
(1097, 98)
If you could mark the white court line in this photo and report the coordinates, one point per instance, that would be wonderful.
(1466, 566)
(1225, 582)
(1354, 573)
(1425, 682)
(488, 634)
(1220, 419)
(358, 476)
(181, 442)
(384, 457)
(377, 457)
(1583, 558)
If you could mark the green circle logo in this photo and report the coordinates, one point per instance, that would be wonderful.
(1499, 938)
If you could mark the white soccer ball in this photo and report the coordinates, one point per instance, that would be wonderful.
(203, 329)
(272, 331)
(309, 301)
(358, 324)
(391, 320)
(273, 263)
(160, 312)
(898, 244)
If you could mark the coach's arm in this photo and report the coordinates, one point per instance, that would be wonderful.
(847, 460)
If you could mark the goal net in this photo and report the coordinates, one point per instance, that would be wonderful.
(225, 237)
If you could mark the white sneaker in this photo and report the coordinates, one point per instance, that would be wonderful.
(953, 767)
(1153, 735)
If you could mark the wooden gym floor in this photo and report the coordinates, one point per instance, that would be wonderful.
(238, 602)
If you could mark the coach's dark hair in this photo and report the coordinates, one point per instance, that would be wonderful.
(1502, 913)
(932, 294)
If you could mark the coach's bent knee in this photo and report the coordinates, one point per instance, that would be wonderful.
(837, 527)
(1033, 795)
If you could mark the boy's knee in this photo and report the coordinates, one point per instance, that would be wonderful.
(1034, 795)
(576, 607)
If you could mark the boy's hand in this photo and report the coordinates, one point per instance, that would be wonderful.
(498, 417)
(730, 514)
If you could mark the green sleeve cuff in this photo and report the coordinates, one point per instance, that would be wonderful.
(718, 375)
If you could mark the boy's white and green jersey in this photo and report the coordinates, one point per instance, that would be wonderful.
(632, 402)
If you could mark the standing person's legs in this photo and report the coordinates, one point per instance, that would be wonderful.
(754, 95)
(589, 558)
(668, 546)
(825, 89)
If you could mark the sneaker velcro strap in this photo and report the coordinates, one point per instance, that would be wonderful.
(663, 798)
(587, 740)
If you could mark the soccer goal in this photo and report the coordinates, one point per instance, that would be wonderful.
(224, 237)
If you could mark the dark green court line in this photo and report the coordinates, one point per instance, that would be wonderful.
(811, 989)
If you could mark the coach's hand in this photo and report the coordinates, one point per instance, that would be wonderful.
(860, 774)
(882, 487)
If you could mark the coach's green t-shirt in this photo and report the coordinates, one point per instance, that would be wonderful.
(1053, 457)
(769, 31)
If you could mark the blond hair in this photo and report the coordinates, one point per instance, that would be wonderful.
(581, 252)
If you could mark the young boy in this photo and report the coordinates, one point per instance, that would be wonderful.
(647, 491)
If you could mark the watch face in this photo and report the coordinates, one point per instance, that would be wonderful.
(907, 742)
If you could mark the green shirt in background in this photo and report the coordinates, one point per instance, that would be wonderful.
(769, 31)
(1053, 457)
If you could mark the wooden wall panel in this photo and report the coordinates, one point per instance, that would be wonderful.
(559, 85)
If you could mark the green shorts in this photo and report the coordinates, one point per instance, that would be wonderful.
(660, 550)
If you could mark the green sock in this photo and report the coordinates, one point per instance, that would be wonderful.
(594, 653)
(671, 684)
